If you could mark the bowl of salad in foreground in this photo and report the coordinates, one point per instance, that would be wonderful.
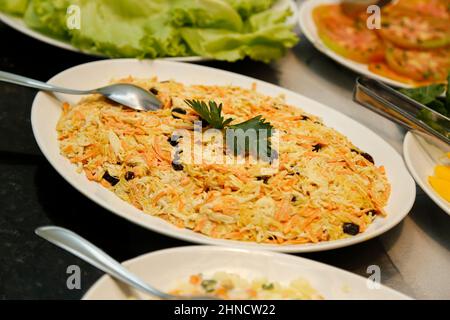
(240, 275)
(410, 48)
(180, 29)
(327, 182)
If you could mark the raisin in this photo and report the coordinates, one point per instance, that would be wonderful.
(368, 157)
(294, 198)
(317, 147)
(177, 166)
(173, 140)
(112, 180)
(265, 179)
(129, 176)
(154, 91)
(305, 118)
(178, 110)
(350, 228)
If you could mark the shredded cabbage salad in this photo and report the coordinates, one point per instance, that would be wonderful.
(324, 188)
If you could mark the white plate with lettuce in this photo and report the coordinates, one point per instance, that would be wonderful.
(182, 30)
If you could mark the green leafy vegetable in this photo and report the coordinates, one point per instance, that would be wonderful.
(211, 113)
(14, 6)
(247, 8)
(205, 14)
(49, 16)
(265, 37)
(425, 95)
(431, 96)
(249, 137)
(220, 29)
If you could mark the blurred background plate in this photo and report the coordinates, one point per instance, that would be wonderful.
(166, 268)
(18, 24)
(309, 29)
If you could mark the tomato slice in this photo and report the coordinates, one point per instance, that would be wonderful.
(382, 69)
(430, 66)
(414, 31)
(433, 8)
(347, 36)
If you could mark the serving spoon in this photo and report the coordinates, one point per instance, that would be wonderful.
(93, 255)
(125, 94)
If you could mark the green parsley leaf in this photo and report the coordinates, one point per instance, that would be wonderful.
(249, 137)
(211, 113)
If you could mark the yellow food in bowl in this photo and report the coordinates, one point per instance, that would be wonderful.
(231, 286)
(441, 180)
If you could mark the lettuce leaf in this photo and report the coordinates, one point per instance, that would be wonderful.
(267, 38)
(205, 14)
(246, 8)
(221, 29)
(49, 17)
(162, 39)
(105, 29)
(17, 7)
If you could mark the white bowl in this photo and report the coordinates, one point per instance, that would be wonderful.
(421, 166)
(164, 269)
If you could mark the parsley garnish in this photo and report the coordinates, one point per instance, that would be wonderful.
(238, 135)
(211, 113)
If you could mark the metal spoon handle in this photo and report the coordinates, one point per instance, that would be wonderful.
(31, 83)
(85, 250)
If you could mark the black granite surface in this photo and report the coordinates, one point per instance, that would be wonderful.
(32, 194)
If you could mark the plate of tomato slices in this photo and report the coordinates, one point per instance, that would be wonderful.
(410, 47)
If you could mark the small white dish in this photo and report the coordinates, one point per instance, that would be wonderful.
(309, 29)
(164, 269)
(421, 165)
(46, 112)
(18, 24)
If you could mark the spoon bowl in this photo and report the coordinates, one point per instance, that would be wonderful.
(125, 94)
(131, 96)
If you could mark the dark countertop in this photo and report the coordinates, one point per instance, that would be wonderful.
(32, 194)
